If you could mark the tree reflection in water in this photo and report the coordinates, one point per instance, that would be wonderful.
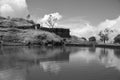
(107, 57)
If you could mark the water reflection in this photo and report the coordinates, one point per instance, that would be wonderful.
(107, 57)
(110, 59)
(92, 49)
(31, 63)
(16, 61)
(51, 66)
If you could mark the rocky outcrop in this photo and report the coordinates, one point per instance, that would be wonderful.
(16, 23)
(18, 31)
(25, 37)
(64, 33)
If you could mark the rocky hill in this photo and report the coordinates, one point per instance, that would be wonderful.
(12, 32)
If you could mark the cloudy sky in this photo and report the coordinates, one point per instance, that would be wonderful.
(94, 11)
(78, 15)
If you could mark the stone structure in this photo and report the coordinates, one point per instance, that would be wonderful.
(21, 23)
(64, 33)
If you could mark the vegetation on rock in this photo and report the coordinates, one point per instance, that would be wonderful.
(10, 33)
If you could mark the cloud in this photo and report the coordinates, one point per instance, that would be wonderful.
(83, 28)
(55, 17)
(78, 26)
(13, 8)
(5, 9)
(111, 24)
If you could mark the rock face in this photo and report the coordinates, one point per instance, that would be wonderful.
(19, 31)
(24, 37)
(64, 33)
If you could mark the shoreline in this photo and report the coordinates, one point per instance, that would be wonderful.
(95, 45)
(69, 45)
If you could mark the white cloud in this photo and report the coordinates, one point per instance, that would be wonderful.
(5, 9)
(13, 8)
(78, 27)
(111, 24)
(83, 28)
(43, 20)
(114, 24)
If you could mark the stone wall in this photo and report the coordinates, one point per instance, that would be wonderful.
(64, 33)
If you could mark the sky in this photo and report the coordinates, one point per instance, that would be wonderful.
(13, 8)
(83, 17)
(94, 11)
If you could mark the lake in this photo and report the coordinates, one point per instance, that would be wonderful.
(59, 63)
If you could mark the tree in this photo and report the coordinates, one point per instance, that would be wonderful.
(50, 20)
(104, 35)
(92, 39)
(117, 39)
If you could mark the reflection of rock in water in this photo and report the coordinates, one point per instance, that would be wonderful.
(92, 49)
(61, 55)
(32, 53)
(12, 74)
(50, 66)
(14, 61)
(12, 69)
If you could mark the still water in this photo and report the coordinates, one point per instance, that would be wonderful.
(68, 63)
